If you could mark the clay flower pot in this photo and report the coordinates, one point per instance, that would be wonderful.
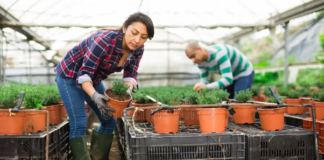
(260, 98)
(190, 116)
(54, 113)
(63, 112)
(119, 106)
(34, 121)
(212, 120)
(319, 110)
(244, 114)
(312, 102)
(149, 118)
(305, 100)
(12, 124)
(294, 110)
(141, 116)
(166, 121)
(272, 119)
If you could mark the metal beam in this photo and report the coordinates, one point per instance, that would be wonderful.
(19, 24)
(5, 16)
(301, 10)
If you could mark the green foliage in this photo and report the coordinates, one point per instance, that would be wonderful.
(255, 90)
(311, 76)
(209, 98)
(119, 87)
(9, 94)
(192, 97)
(322, 40)
(319, 14)
(33, 96)
(291, 86)
(321, 96)
(283, 91)
(293, 94)
(243, 96)
(267, 92)
(141, 98)
(314, 95)
(222, 94)
(304, 92)
(50, 95)
(272, 99)
(169, 98)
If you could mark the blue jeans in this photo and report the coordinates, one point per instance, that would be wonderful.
(73, 98)
(242, 83)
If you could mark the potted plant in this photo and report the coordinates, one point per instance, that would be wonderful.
(319, 106)
(119, 98)
(140, 100)
(11, 123)
(272, 118)
(256, 93)
(34, 121)
(244, 112)
(190, 114)
(211, 119)
(305, 96)
(223, 95)
(50, 99)
(283, 91)
(167, 121)
(293, 99)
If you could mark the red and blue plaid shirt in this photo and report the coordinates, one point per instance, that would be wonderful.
(97, 57)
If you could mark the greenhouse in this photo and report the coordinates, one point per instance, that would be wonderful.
(162, 80)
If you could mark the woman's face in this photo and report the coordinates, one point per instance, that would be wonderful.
(135, 35)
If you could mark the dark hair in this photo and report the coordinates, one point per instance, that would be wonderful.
(143, 18)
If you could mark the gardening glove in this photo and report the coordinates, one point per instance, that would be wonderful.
(129, 91)
(104, 109)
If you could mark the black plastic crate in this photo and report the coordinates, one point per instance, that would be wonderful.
(189, 143)
(292, 143)
(295, 120)
(63, 133)
(33, 146)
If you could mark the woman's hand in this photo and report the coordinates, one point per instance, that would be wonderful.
(199, 86)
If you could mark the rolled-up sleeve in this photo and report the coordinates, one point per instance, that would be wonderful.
(96, 48)
(130, 71)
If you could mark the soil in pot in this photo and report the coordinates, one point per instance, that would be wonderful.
(34, 121)
(272, 118)
(294, 110)
(244, 114)
(12, 124)
(117, 102)
(212, 120)
(190, 116)
(166, 121)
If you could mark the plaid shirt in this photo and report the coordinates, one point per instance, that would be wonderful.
(97, 57)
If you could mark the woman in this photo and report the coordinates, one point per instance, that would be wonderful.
(81, 71)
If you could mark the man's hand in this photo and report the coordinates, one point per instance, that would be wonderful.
(199, 86)
(104, 109)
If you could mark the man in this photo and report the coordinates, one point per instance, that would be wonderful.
(236, 70)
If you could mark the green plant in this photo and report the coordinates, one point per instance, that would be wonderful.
(209, 99)
(119, 87)
(304, 92)
(322, 40)
(141, 98)
(33, 95)
(192, 97)
(314, 95)
(243, 96)
(267, 92)
(291, 85)
(283, 91)
(255, 90)
(293, 94)
(272, 99)
(321, 96)
(222, 94)
(50, 95)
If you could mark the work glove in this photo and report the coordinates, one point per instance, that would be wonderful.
(104, 109)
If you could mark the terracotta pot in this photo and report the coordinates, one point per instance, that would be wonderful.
(166, 122)
(190, 116)
(227, 117)
(312, 102)
(12, 124)
(54, 114)
(149, 118)
(319, 110)
(305, 100)
(63, 111)
(140, 115)
(119, 106)
(294, 110)
(212, 120)
(260, 98)
(181, 113)
(34, 121)
(272, 119)
(244, 114)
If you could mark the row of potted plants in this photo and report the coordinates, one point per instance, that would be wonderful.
(37, 97)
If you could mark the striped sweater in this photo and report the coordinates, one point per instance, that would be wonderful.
(227, 61)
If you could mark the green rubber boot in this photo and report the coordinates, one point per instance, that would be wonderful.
(79, 149)
(100, 145)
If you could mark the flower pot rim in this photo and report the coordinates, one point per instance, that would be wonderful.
(271, 108)
(116, 99)
(210, 108)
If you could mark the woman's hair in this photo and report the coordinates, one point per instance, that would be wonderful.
(143, 18)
